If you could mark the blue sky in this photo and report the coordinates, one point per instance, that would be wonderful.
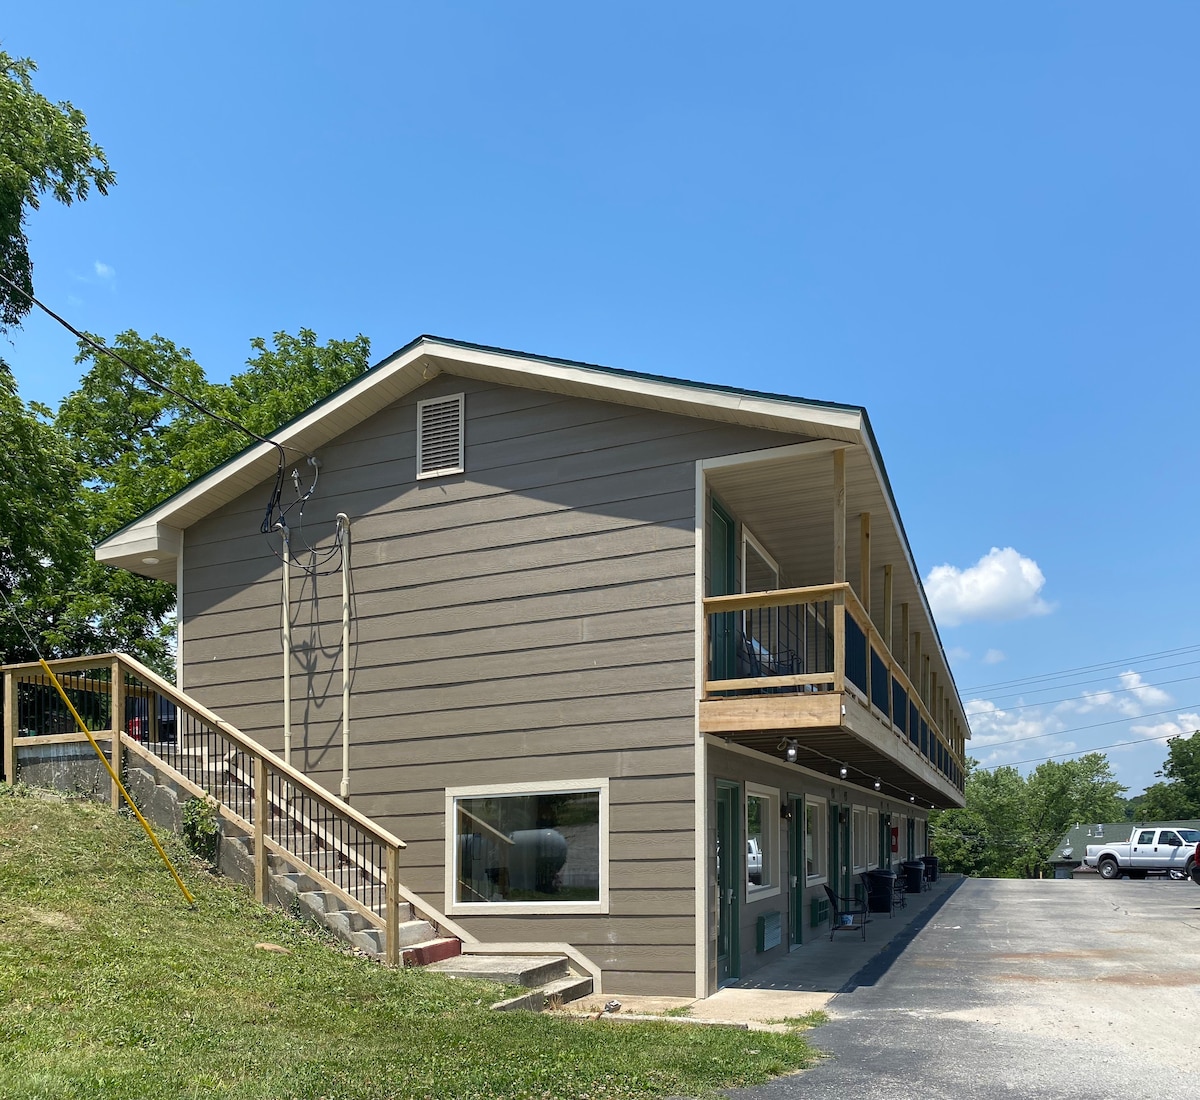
(980, 222)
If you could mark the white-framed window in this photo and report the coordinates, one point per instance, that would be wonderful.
(527, 848)
(441, 444)
(816, 839)
(859, 839)
(875, 858)
(762, 841)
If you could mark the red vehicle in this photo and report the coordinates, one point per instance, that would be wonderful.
(1194, 873)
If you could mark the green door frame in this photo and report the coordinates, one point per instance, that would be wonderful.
(722, 581)
(731, 873)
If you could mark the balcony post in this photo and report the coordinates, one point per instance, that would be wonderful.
(888, 640)
(839, 515)
(10, 727)
(839, 640)
(117, 698)
(864, 561)
(905, 662)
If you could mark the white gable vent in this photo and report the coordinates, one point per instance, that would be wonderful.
(440, 436)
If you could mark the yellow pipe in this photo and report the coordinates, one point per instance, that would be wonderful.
(120, 786)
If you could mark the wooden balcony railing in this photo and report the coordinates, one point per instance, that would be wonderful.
(818, 639)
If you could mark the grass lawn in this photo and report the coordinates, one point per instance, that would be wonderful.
(110, 986)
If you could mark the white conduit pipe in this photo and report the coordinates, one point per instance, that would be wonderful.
(344, 520)
(287, 647)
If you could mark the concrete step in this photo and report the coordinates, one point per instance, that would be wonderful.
(431, 953)
(527, 970)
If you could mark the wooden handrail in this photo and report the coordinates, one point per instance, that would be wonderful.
(277, 763)
(747, 601)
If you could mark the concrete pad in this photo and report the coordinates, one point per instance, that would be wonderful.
(637, 1005)
(761, 1006)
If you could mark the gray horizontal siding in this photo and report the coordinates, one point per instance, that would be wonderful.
(530, 619)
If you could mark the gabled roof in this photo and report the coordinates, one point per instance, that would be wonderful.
(156, 534)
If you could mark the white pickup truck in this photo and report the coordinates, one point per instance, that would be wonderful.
(1148, 849)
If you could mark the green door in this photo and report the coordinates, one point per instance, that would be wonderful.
(722, 581)
(799, 871)
(839, 849)
(730, 874)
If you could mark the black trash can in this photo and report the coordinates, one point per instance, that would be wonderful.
(914, 876)
(931, 867)
(879, 890)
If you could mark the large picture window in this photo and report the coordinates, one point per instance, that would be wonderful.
(816, 844)
(874, 856)
(528, 848)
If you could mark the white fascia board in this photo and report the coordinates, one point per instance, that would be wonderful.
(689, 400)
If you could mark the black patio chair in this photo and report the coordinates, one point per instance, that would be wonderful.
(846, 914)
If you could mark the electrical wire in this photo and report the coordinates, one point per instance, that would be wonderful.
(273, 514)
(1094, 725)
(1084, 668)
(1092, 695)
(1077, 752)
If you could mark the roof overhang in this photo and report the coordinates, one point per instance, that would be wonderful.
(157, 534)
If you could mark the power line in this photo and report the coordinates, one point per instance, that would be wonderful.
(1087, 695)
(1095, 725)
(1084, 668)
(270, 520)
(1077, 752)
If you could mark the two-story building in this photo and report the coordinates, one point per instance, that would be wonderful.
(633, 663)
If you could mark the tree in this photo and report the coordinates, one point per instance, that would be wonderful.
(44, 148)
(43, 547)
(1179, 797)
(1010, 823)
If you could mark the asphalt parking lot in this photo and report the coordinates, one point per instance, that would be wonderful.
(1077, 989)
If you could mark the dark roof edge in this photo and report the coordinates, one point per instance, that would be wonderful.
(619, 372)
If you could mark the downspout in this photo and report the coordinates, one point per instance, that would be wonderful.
(287, 645)
(344, 521)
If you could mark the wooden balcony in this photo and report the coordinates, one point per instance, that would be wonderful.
(809, 665)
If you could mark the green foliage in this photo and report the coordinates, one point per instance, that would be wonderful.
(45, 148)
(201, 827)
(44, 548)
(1179, 797)
(1010, 823)
(115, 449)
(115, 990)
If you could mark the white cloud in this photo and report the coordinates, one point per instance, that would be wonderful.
(1001, 585)
(103, 271)
(957, 653)
(994, 657)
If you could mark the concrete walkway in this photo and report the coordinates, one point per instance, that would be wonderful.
(804, 980)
